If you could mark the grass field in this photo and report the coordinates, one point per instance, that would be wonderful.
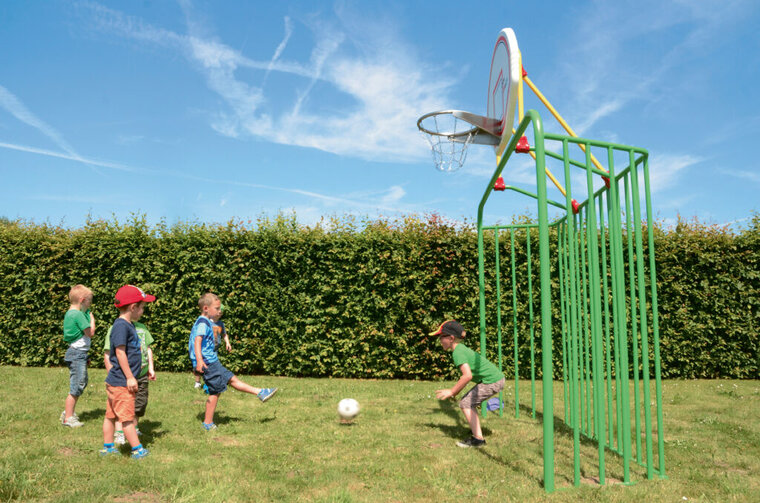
(401, 447)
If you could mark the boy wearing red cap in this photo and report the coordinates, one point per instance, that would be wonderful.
(126, 363)
(474, 367)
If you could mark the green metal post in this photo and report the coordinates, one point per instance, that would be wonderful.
(596, 318)
(532, 336)
(608, 355)
(655, 322)
(498, 309)
(634, 316)
(514, 324)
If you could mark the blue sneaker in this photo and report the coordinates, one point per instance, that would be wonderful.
(209, 426)
(107, 451)
(140, 453)
(266, 393)
(205, 389)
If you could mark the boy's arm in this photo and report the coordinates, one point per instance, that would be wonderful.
(92, 325)
(200, 365)
(107, 360)
(121, 356)
(443, 394)
(151, 370)
(227, 341)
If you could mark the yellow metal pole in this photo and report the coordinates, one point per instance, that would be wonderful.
(559, 118)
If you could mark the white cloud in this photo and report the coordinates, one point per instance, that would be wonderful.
(385, 92)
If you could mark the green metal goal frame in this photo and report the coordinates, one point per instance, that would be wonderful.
(600, 318)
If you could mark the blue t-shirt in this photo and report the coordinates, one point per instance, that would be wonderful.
(203, 328)
(123, 333)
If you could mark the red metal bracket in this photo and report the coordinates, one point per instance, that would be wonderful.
(606, 181)
(499, 185)
(576, 206)
(522, 147)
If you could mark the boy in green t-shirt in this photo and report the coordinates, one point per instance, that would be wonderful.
(147, 373)
(488, 378)
(78, 330)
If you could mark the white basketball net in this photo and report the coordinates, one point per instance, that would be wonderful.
(449, 144)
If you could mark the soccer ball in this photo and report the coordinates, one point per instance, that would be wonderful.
(348, 408)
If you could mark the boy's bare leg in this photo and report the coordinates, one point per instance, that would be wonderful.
(130, 433)
(108, 429)
(210, 408)
(241, 386)
(71, 403)
(474, 420)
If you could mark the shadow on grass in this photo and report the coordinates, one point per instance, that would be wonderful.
(219, 418)
(150, 431)
(93, 414)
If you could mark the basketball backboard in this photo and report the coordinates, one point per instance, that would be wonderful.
(503, 84)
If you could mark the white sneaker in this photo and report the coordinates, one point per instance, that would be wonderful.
(63, 416)
(73, 422)
(197, 385)
(118, 438)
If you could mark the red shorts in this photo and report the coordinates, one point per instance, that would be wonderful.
(121, 404)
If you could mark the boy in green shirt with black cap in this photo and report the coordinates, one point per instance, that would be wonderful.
(474, 367)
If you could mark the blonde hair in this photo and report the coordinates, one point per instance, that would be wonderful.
(207, 299)
(77, 292)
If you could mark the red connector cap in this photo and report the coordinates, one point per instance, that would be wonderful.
(522, 147)
(606, 181)
(499, 185)
(576, 207)
(525, 74)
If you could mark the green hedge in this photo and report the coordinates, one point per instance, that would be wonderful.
(350, 298)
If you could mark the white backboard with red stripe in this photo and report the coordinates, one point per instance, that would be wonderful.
(503, 83)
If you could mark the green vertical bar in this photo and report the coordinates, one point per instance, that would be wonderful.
(607, 357)
(635, 199)
(532, 344)
(655, 322)
(498, 308)
(634, 316)
(621, 330)
(573, 288)
(514, 323)
(596, 317)
(615, 326)
(587, 320)
(563, 314)
(546, 315)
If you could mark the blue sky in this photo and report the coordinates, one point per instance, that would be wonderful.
(209, 111)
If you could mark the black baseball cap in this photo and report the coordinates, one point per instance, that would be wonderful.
(450, 327)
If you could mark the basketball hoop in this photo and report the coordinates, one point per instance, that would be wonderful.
(450, 133)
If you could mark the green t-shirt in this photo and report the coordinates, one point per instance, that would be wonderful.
(483, 371)
(75, 322)
(145, 340)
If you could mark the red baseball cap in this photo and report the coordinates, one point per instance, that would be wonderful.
(451, 327)
(130, 294)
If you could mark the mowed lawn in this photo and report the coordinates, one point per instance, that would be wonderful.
(400, 448)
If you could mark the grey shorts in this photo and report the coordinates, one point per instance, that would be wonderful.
(141, 397)
(480, 393)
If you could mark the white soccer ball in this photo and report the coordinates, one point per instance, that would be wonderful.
(348, 408)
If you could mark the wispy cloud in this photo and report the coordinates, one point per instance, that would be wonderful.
(70, 157)
(385, 91)
(16, 108)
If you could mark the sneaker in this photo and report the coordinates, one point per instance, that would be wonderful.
(106, 451)
(472, 442)
(73, 422)
(266, 393)
(209, 426)
(197, 385)
(63, 416)
(140, 453)
(205, 389)
(119, 439)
